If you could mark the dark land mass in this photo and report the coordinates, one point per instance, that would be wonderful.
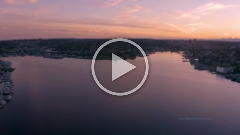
(217, 57)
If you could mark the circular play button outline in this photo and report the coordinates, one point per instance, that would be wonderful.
(123, 93)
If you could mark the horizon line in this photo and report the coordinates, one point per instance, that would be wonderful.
(198, 39)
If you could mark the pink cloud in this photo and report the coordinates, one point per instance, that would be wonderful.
(192, 27)
(131, 10)
(206, 9)
(213, 6)
(4, 28)
(20, 1)
(111, 3)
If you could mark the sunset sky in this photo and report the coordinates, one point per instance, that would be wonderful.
(119, 18)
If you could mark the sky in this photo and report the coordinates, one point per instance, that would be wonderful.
(157, 19)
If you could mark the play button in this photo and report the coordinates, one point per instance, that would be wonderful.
(120, 67)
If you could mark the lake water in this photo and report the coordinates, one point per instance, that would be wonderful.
(60, 97)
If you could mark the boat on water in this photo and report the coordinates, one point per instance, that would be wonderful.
(185, 60)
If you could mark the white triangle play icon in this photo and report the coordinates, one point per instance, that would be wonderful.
(120, 67)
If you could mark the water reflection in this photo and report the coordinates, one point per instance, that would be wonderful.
(61, 97)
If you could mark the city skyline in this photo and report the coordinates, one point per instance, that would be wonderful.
(26, 19)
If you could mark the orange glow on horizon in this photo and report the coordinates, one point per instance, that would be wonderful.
(118, 18)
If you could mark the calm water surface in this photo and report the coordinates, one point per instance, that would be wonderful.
(61, 97)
